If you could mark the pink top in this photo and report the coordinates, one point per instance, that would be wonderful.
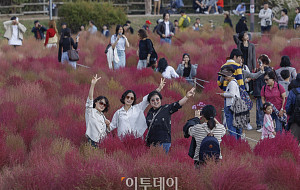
(273, 95)
(268, 126)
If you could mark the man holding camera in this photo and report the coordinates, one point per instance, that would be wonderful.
(265, 15)
(38, 30)
(14, 31)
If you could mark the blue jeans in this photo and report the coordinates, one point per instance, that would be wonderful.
(142, 64)
(259, 112)
(229, 123)
(122, 59)
(278, 124)
(166, 40)
(265, 29)
(92, 143)
(166, 146)
(65, 58)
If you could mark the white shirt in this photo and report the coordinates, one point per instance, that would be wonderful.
(132, 120)
(167, 32)
(95, 122)
(14, 40)
(232, 90)
(170, 73)
(120, 44)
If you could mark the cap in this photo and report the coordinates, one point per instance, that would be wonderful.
(225, 73)
(148, 22)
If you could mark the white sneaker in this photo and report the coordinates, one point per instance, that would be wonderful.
(206, 12)
(198, 10)
(249, 127)
(259, 130)
(216, 13)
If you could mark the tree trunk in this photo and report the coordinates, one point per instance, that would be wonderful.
(148, 7)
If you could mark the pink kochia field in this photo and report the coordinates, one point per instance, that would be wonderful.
(42, 124)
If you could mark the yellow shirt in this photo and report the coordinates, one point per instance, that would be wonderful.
(180, 22)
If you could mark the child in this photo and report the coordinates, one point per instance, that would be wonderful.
(268, 126)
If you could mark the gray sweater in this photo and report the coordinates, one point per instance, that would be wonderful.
(292, 71)
(193, 72)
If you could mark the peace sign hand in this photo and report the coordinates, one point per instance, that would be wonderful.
(161, 85)
(191, 92)
(95, 79)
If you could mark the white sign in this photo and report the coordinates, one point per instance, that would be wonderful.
(251, 9)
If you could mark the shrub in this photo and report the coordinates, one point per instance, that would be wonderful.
(81, 12)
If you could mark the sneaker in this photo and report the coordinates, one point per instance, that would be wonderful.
(206, 12)
(197, 10)
(259, 129)
(249, 127)
(216, 13)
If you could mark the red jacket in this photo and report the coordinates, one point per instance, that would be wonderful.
(50, 34)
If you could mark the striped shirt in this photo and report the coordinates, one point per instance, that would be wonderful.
(238, 75)
(200, 131)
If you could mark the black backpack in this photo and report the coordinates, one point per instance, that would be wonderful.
(209, 147)
(296, 114)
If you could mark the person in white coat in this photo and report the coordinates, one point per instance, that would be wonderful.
(130, 118)
(96, 122)
(166, 71)
(265, 15)
(14, 31)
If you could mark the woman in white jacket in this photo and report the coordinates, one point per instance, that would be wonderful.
(130, 118)
(231, 92)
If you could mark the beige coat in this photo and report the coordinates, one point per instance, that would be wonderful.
(8, 28)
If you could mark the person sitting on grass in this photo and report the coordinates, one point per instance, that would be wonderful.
(167, 71)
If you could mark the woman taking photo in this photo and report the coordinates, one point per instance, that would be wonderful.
(130, 119)
(274, 93)
(285, 64)
(51, 35)
(119, 40)
(200, 131)
(66, 43)
(247, 48)
(145, 49)
(96, 122)
(186, 69)
(159, 119)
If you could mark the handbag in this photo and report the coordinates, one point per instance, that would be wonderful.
(72, 54)
(53, 40)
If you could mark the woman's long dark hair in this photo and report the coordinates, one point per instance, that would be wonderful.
(209, 112)
(162, 65)
(65, 33)
(117, 29)
(189, 63)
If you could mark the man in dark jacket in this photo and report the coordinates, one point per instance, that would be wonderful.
(257, 86)
(241, 26)
(166, 29)
(38, 30)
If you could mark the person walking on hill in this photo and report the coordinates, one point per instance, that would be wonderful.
(145, 49)
(166, 29)
(265, 15)
(51, 35)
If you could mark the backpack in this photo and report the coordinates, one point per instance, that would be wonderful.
(209, 147)
(245, 97)
(186, 22)
(296, 114)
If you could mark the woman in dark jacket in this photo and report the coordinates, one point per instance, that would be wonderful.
(241, 26)
(247, 48)
(65, 43)
(145, 49)
(227, 19)
(159, 119)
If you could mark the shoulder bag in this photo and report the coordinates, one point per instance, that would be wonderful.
(72, 54)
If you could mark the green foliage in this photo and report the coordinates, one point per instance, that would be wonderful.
(80, 12)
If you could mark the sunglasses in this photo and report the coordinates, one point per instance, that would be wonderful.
(155, 99)
(129, 97)
(102, 104)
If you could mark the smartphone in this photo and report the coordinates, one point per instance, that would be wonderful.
(17, 19)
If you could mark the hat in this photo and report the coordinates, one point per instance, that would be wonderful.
(236, 52)
(148, 22)
(225, 73)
